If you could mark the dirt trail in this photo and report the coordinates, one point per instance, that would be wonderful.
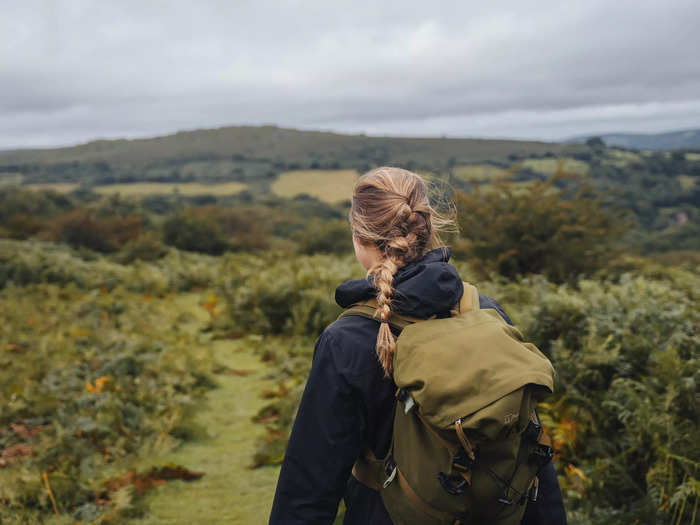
(229, 492)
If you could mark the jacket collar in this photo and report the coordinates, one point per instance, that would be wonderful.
(429, 286)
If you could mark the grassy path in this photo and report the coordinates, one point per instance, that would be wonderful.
(229, 492)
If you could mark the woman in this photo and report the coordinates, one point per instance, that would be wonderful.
(347, 405)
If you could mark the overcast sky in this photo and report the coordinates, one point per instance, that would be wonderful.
(71, 71)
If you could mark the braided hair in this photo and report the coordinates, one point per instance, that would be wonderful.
(391, 211)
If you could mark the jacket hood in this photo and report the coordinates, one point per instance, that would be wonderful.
(423, 288)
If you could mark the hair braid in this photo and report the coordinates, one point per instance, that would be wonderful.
(383, 278)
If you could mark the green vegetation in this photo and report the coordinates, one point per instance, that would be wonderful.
(479, 172)
(222, 450)
(551, 166)
(92, 379)
(266, 166)
(149, 338)
(516, 231)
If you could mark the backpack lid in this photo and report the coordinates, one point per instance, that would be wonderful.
(455, 366)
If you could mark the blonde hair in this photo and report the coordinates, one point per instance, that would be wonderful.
(390, 210)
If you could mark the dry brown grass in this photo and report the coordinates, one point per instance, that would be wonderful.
(327, 185)
(185, 188)
(59, 187)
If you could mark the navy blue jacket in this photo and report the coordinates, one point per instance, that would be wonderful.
(348, 404)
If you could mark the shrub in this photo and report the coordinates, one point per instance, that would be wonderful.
(145, 247)
(324, 236)
(279, 295)
(214, 229)
(83, 228)
(28, 262)
(15, 200)
(537, 230)
(194, 232)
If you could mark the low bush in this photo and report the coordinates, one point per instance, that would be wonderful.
(29, 262)
(538, 230)
(216, 229)
(145, 247)
(84, 228)
(282, 295)
(324, 236)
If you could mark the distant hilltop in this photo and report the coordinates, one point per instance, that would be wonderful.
(687, 139)
(289, 145)
(325, 149)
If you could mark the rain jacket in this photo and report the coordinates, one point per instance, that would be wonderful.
(347, 407)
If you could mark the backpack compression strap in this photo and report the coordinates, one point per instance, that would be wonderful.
(369, 309)
(470, 298)
(468, 302)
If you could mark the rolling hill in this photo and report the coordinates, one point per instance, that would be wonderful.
(280, 144)
(687, 139)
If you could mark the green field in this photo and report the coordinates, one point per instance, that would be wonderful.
(478, 172)
(59, 187)
(622, 158)
(160, 188)
(327, 185)
(550, 166)
(687, 182)
(8, 178)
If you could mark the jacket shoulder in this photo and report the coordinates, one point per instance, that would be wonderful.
(350, 342)
(486, 302)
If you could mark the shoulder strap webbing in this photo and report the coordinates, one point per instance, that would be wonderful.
(369, 309)
(470, 298)
(468, 302)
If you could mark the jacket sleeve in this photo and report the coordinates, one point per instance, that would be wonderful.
(325, 442)
(549, 507)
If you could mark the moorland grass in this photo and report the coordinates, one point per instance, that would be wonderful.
(229, 491)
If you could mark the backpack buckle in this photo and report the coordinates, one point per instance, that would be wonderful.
(453, 485)
(390, 470)
(534, 490)
(541, 454)
(532, 432)
(391, 477)
(407, 399)
(462, 461)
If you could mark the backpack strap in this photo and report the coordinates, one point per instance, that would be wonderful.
(368, 309)
(367, 469)
(470, 299)
(419, 502)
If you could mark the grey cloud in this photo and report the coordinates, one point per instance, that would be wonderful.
(73, 70)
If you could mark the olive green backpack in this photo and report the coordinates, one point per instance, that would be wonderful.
(467, 443)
